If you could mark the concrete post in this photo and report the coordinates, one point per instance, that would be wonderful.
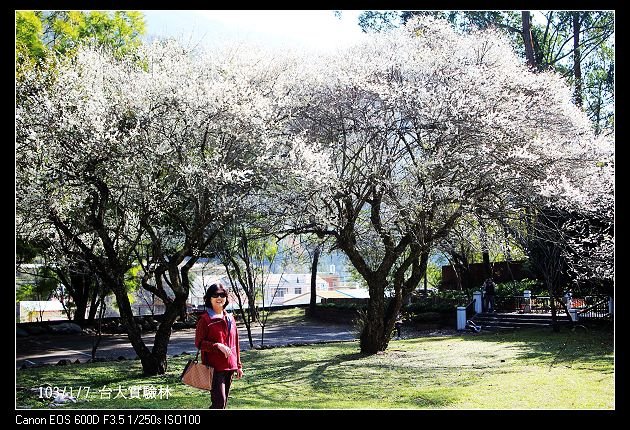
(611, 306)
(568, 301)
(527, 296)
(574, 314)
(461, 317)
(478, 303)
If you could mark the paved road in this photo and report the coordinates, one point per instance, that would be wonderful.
(49, 349)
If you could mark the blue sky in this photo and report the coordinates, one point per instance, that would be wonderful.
(316, 29)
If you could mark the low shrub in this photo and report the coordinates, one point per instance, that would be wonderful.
(426, 317)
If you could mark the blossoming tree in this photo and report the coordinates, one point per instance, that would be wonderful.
(143, 162)
(424, 126)
(385, 148)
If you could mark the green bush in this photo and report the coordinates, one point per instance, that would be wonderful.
(430, 305)
(350, 306)
(427, 317)
(516, 288)
(453, 295)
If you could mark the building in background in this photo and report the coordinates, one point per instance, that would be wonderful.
(40, 310)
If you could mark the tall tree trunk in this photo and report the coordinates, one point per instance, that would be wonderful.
(486, 264)
(425, 285)
(80, 295)
(99, 326)
(508, 253)
(527, 38)
(158, 362)
(373, 339)
(485, 252)
(380, 321)
(250, 289)
(93, 304)
(598, 109)
(466, 277)
(248, 326)
(313, 302)
(248, 316)
(403, 289)
(150, 366)
(552, 303)
(577, 68)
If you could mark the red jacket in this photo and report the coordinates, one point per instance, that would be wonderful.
(211, 331)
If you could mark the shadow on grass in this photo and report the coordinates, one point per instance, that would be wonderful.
(593, 345)
(97, 376)
(287, 372)
(320, 377)
(429, 372)
(314, 382)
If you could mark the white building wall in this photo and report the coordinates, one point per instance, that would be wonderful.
(280, 287)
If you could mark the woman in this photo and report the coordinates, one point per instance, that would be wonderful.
(217, 338)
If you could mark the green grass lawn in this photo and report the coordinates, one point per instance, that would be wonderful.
(528, 369)
(291, 316)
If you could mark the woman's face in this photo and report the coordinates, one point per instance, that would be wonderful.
(218, 298)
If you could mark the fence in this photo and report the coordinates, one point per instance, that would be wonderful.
(587, 307)
(593, 307)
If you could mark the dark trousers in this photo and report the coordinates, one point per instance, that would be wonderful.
(489, 299)
(221, 382)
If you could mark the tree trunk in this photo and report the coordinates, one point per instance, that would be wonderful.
(598, 109)
(373, 338)
(80, 295)
(485, 252)
(157, 363)
(93, 305)
(466, 278)
(262, 335)
(99, 327)
(245, 316)
(313, 302)
(248, 315)
(250, 285)
(403, 289)
(79, 313)
(508, 253)
(552, 299)
(486, 264)
(577, 69)
(380, 322)
(149, 365)
(527, 39)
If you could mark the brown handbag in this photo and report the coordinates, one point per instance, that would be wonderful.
(197, 374)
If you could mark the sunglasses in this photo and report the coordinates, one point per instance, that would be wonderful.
(216, 296)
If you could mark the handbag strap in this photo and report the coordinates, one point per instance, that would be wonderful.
(197, 356)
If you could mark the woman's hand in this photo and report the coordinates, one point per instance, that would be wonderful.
(226, 350)
(239, 373)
